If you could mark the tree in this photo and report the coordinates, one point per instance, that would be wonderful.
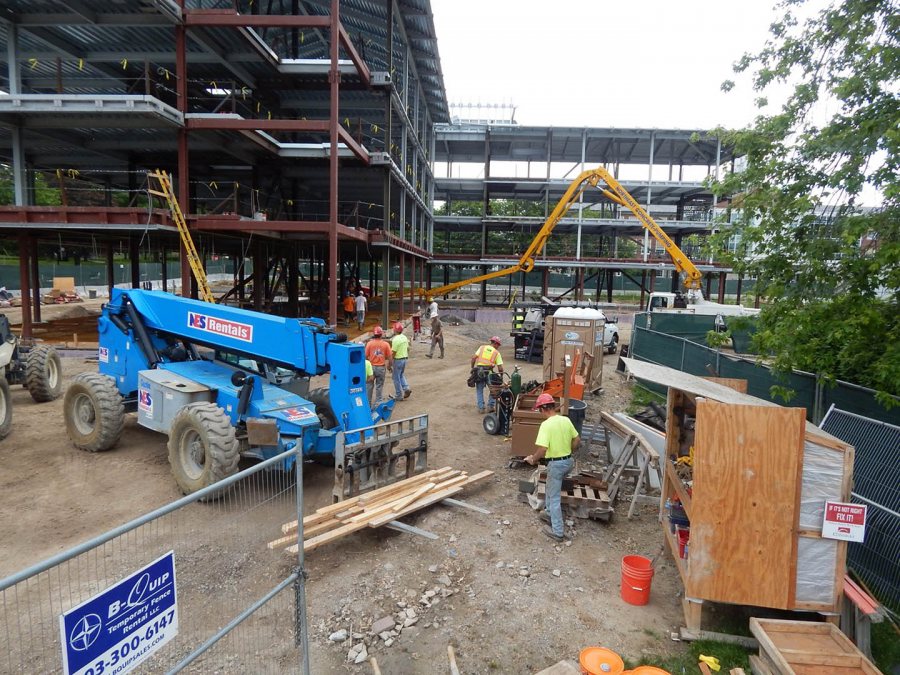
(829, 268)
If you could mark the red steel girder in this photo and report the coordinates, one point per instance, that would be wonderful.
(351, 143)
(361, 66)
(230, 18)
(231, 224)
(227, 123)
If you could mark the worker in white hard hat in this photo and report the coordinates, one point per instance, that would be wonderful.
(556, 440)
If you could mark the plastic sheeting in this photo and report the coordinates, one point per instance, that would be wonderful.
(823, 471)
(816, 565)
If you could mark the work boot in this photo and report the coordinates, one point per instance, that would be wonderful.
(428, 356)
(407, 393)
(544, 516)
(441, 356)
(550, 533)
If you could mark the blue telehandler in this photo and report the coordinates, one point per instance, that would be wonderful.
(224, 382)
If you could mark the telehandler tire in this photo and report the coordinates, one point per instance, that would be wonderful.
(202, 447)
(5, 408)
(319, 397)
(94, 412)
(43, 374)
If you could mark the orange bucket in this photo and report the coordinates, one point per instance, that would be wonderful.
(648, 670)
(600, 661)
(637, 576)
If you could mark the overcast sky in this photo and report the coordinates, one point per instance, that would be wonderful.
(634, 63)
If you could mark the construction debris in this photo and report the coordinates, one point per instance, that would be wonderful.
(377, 508)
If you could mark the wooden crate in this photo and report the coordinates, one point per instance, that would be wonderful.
(806, 648)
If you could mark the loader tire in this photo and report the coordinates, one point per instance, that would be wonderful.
(43, 374)
(5, 408)
(94, 412)
(202, 447)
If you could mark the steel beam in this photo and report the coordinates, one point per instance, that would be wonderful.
(223, 123)
(229, 18)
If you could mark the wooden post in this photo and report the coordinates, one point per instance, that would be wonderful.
(545, 281)
(740, 283)
(722, 280)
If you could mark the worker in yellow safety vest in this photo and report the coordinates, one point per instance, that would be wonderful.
(485, 360)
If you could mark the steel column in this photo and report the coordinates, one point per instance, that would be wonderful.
(402, 282)
(649, 193)
(386, 286)
(334, 78)
(24, 283)
(110, 269)
(35, 282)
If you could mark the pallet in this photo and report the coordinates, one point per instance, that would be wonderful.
(584, 500)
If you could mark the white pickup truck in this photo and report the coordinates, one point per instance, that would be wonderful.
(534, 318)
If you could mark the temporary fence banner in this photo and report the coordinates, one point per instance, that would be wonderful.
(124, 625)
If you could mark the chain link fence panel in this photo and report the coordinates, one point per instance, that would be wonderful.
(222, 568)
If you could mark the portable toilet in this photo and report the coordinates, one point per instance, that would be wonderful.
(571, 330)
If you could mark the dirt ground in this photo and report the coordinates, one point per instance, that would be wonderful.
(508, 598)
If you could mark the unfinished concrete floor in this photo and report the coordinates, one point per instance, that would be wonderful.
(498, 619)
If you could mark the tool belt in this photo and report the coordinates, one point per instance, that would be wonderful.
(478, 374)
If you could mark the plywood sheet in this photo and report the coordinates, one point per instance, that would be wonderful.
(737, 384)
(747, 463)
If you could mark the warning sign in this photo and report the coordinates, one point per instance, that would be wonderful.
(844, 521)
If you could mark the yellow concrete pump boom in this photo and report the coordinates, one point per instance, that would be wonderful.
(616, 193)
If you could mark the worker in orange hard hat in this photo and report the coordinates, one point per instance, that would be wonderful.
(486, 358)
(400, 354)
(556, 440)
(379, 354)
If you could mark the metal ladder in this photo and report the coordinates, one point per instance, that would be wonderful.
(193, 257)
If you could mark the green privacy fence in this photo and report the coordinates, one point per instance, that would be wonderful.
(694, 327)
(808, 391)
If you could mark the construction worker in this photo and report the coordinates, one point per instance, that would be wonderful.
(400, 354)
(349, 308)
(378, 352)
(556, 440)
(487, 357)
(432, 311)
(360, 304)
(437, 336)
(370, 381)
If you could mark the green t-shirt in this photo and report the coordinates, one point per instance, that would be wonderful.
(370, 372)
(400, 346)
(556, 434)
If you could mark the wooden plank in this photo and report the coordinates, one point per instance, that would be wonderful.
(406, 501)
(760, 667)
(801, 656)
(767, 647)
(430, 499)
(345, 504)
(676, 484)
(689, 635)
(746, 475)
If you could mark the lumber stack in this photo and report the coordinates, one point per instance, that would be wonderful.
(376, 508)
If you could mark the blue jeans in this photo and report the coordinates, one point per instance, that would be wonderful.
(556, 471)
(400, 383)
(479, 395)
